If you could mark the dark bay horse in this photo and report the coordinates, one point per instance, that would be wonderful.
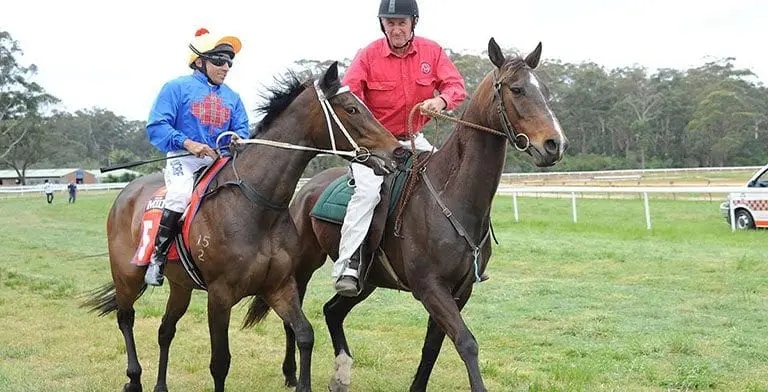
(454, 194)
(244, 249)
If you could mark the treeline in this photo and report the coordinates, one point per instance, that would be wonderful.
(712, 115)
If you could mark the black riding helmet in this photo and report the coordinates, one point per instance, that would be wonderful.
(398, 9)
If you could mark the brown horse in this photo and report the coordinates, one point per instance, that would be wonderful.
(443, 245)
(244, 249)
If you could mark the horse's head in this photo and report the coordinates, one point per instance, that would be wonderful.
(521, 101)
(354, 127)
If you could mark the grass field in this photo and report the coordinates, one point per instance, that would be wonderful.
(602, 305)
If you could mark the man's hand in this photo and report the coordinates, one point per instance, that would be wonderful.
(435, 104)
(199, 149)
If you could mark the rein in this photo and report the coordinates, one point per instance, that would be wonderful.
(420, 168)
(360, 154)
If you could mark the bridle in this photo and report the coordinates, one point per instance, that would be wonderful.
(511, 133)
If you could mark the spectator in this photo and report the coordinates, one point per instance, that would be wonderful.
(72, 192)
(48, 189)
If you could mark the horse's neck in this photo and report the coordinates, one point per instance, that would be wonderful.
(470, 162)
(276, 171)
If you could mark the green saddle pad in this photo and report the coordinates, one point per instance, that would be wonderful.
(331, 206)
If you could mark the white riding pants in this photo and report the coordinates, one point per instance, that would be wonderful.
(357, 221)
(179, 176)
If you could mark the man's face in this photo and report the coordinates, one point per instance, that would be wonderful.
(217, 67)
(398, 30)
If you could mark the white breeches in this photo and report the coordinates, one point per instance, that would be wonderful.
(179, 179)
(367, 193)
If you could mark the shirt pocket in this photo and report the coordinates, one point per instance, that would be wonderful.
(381, 95)
(425, 88)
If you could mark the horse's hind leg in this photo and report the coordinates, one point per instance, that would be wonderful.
(178, 302)
(433, 341)
(446, 313)
(336, 310)
(286, 302)
(127, 290)
(289, 361)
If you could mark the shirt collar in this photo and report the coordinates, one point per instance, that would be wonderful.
(204, 79)
(386, 51)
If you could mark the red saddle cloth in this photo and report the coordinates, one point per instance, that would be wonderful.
(150, 220)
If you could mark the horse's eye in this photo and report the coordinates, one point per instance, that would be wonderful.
(351, 110)
(517, 90)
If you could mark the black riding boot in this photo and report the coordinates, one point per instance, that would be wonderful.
(169, 225)
(348, 285)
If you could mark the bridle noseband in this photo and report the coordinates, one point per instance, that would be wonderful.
(512, 135)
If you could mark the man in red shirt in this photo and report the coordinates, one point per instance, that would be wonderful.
(391, 76)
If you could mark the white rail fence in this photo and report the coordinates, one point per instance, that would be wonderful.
(504, 189)
(516, 191)
(37, 189)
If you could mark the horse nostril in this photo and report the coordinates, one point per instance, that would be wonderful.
(552, 146)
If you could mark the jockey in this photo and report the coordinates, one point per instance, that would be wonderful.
(392, 75)
(188, 115)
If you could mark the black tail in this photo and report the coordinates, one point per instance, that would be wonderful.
(104, 299)
(256, 312)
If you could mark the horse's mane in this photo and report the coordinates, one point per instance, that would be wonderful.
(279, 97)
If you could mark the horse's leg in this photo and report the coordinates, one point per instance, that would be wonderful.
(177, 304)
(286, 303)
(125, 319)
(446, 313)
(127, 290)
(336, 311)
(289, 362)
(432, 344)
(219, 312)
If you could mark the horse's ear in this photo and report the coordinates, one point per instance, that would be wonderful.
(533, 58)
(495, 53)
(329, 82)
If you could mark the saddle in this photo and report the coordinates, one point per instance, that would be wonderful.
(331, 207)
(150, 221)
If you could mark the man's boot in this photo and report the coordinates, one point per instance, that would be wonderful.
(348, 284)
(169, 225)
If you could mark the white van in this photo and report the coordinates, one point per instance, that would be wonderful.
(750, 209)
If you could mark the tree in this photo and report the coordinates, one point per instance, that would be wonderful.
(20, 99)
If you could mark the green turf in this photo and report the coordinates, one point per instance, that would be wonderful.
(601, 305)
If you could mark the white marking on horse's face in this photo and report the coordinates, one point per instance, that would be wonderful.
(535, 82)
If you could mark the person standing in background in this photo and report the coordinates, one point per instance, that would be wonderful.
(72, 192)
(48, 189)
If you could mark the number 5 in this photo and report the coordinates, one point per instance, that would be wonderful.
(147, 228)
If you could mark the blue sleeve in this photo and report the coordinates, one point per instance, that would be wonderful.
(240, 120)
(162, 117)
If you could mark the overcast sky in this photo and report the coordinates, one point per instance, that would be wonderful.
(117, 54)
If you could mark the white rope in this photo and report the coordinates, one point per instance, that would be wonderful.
(294, 147)
(326, 105)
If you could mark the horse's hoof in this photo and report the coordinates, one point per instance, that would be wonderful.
(132, 388)
(336, 386)
(161, 388)
(291, 382)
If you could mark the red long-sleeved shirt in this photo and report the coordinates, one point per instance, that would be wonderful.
(391, 85)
